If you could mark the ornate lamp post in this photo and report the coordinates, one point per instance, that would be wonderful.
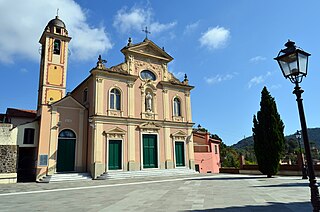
(303, 166)
(293, 62)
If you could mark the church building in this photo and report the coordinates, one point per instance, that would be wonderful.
(132, 116)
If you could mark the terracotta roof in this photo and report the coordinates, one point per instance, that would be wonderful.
(14, 112)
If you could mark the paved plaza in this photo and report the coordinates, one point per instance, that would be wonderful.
(220, 192)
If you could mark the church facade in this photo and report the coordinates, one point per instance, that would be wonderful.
(132, 116)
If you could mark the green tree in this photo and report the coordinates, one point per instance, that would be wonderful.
(268, 135)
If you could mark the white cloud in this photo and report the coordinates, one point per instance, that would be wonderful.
(178, 75)
(191, 27)
(257, 59)
(22, 24)
(219, 78)
(215, 38)
(258, 79)
(24, 70)
(136, 19)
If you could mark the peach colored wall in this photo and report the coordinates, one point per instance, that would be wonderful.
(69, 119)
(137, 97)
(108, 84)
(44, 133)
(108, 127)
(78, 94)
(208, 161)
(138, 146)
(172, 94)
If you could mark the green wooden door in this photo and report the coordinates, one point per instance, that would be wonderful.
(114, 154)
(150, 151)
(66, 155)
(179, 149)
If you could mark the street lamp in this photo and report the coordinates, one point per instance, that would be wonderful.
(293, 62)
(303, 166)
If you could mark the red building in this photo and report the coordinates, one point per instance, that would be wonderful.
(206, 151)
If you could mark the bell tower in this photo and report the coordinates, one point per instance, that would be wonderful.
(52, 87)
(53, 65)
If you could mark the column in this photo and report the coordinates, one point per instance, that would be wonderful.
(130, 99)
(166, 105)
(99, 96)
(190, 149)
(53, 142)
(188, 107)
(132, 165)
(168, 148)
(98, 139)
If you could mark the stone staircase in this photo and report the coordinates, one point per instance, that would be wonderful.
(146, 173)
(59, 177)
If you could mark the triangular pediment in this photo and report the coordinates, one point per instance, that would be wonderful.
(116, 130)
(180, 134)
(68, 101)
(148, 49)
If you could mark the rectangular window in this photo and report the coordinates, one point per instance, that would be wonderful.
(215, 149)
(28, 137)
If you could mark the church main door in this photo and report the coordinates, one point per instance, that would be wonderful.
(150, 151)
(114, 154)
(66, 151)
(179, 150)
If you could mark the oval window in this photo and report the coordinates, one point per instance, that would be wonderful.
(147, 75)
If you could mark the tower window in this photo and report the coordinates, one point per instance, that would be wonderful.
(58, 30)
(56, 46)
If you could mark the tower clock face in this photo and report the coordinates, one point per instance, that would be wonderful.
(147, 75)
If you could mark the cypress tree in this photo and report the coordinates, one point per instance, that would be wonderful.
(268, 135)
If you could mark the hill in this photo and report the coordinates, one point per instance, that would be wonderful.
(313, 133)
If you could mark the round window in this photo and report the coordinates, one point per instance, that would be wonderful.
(147, 75)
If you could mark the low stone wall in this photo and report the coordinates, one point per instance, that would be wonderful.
(8, 158)
(8, 153)
(285, 170)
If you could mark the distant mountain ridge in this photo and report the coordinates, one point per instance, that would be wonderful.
(313, 133)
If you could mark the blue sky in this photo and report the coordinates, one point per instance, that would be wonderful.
(225, 47)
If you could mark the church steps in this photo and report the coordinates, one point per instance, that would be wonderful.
(146, 173)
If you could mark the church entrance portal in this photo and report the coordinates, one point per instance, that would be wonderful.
(150, 151)
(66, 151)
(115, 156)
(179, 150)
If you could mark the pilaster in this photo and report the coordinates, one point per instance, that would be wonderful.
(190, 149)
(166, 104)
(130, 99)
(188, 107)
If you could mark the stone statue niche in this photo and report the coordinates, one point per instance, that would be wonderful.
(149, 102)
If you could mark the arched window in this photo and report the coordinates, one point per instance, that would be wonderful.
(176, 107)
(115, 98)
(56, 46)
(67, 134)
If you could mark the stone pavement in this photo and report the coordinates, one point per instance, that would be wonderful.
(220, 192)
